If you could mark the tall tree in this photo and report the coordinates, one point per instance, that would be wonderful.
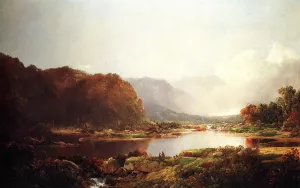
(287, 98)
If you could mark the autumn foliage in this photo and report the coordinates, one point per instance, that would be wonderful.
(284, 111)
(249, 113)
(65, 96)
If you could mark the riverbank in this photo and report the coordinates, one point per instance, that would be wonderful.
(76, 135)
(163, 130)
(68, 137)
(209, 167)
(188, 168)
(198, 167)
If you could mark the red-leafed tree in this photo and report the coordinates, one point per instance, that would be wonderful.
(293, 120)
(249, 113)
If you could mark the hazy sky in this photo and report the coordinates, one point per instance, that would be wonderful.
(171, 39)
(156, 38)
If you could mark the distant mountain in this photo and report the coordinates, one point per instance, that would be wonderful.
(158, 113)
(160, 97)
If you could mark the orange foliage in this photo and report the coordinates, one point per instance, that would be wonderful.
(68, 96)
(249, 113)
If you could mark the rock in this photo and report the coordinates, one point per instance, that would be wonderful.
(121, 172)
(129, 166)
(142, 166)
(110, 166)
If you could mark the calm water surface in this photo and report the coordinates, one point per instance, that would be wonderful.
(194, 140)
(170, 146)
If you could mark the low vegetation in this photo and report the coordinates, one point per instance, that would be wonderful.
(212, 167)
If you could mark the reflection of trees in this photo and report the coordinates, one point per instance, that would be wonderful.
(251, 142)
(100, 149)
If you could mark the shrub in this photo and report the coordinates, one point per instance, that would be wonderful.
(56, 173)
(137, 153)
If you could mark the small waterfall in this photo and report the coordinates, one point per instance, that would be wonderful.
(99, 182)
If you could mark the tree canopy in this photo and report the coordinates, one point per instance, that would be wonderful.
(65, 96)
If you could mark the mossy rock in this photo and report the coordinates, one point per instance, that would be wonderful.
(142, 164)
(110, 166)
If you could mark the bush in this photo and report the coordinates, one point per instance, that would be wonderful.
(56, 173)
(137, 153)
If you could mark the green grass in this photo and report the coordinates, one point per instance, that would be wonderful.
(273, 133)
(247, 129)
(185, 161)
(197, 152)
(135, 159)
(170, 161)
(137, 135)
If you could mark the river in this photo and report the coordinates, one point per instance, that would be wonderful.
(170, 146)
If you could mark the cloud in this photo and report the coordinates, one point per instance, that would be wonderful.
(248, 78)
(242, 68)
(83, 66)
(279, 54)
(171, 39)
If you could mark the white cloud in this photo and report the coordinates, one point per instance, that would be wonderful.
(243, 67)
(83, 66)
(279, 54)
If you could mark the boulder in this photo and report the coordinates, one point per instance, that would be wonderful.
(121, 172)
(142, 165)
(110, 166)
(129, 166)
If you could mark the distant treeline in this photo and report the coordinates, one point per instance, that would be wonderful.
(234, 119)
(284, 111)
(64, 96)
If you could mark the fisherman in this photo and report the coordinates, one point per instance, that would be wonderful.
(163, 154)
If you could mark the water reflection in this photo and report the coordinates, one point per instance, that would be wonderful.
(195, 140)
(94, 149)
(252, 142)
(171, 146)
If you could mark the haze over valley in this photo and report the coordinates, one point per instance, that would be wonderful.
(213, 52)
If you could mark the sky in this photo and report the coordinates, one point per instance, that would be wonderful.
(235, 40)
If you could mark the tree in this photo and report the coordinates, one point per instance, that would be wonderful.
(262, 112)
(286, 100)
(274, 113)
(249, 113)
